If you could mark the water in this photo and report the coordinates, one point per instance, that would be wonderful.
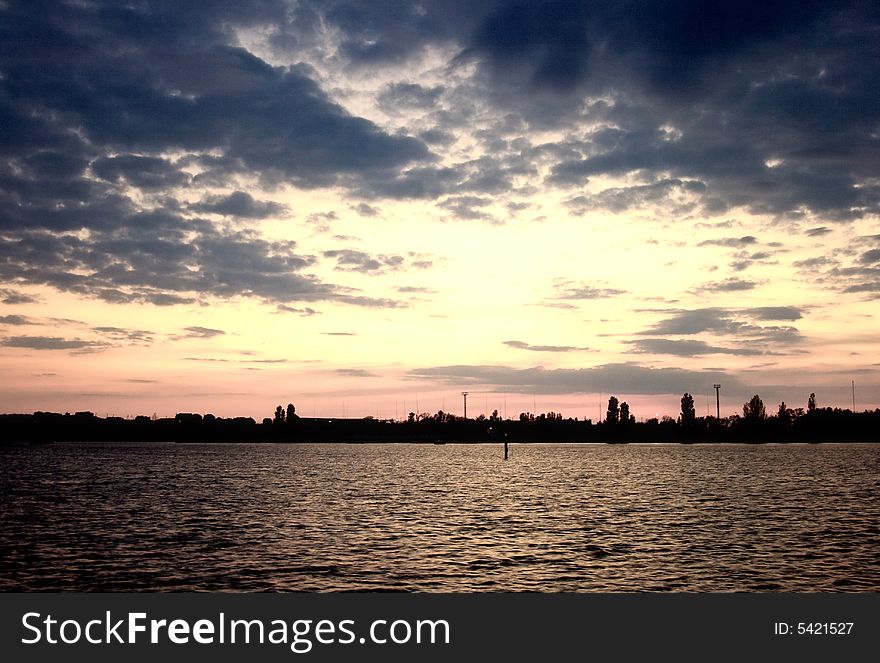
(242, 517)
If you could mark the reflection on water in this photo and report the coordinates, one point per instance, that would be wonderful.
(440, 518)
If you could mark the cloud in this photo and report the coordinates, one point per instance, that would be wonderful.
(366, 210)
(733, 242)
(87, 182)
(521, 345)
(126, 89)
(143, 172)
(818, 232)
(622, 378)
(622, 199)
(355, 373)
(568, 290)
(201, 332)
(728, 285)
(239, 204)
(305, 312)
(162, 259)
(705, 108)
(409, 95)
(736, 324)
(468, 208)
(755, 138)
(127, 336)
(338, 334)
(15, 320)
(51, 343)
(322, 220)
(350, 260)
(14, 297)
(412, 290)
(687, 348)
(870, 257)
(774, 312)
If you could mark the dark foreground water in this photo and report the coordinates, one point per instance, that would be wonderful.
(412, 517)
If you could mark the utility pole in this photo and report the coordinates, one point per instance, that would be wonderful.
(717, 400)
(464, 395)
(854, 395)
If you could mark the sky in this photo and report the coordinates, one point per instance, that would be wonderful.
(365, 208)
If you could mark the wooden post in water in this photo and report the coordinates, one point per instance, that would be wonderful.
(505, 449)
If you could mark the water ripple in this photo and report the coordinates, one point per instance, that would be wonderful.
(398, 517)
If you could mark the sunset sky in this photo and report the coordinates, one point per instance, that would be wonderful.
(365, 208)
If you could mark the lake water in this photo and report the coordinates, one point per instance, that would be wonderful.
(610, 518)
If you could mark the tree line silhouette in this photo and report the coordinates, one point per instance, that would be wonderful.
(810, 424)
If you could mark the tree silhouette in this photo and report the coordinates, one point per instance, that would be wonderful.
(754, 410)
(613, 414)
(688, 412)
(291, 413)
(625, 417)
(279, 415)
(811, 404)
(784, 415)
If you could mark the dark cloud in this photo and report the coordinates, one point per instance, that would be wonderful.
(305, 311)
(366, 210)
(370, 302)
(409, 95)
(818, 232)
(322, 221)
(350, 260)
(567, 290)
(851, 270)
(437, 137)
(872, 288)
(15, 297)
(621, 379)
(734, 323)
(687, 348)
(118, 335)
(240, 204)
(164, 260)
(106, 93)
(733, 242)
(468, 208)
(355, 373)
(143, 172)
(522, 345)
(202, 332)
(410, 290)
(870, 257)
(708, 106)
(728, 285)
(762, 104)
(622, 199)
(742, 260)
(149, 80)
(52, 343)
(15, 320)
(775, 313)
